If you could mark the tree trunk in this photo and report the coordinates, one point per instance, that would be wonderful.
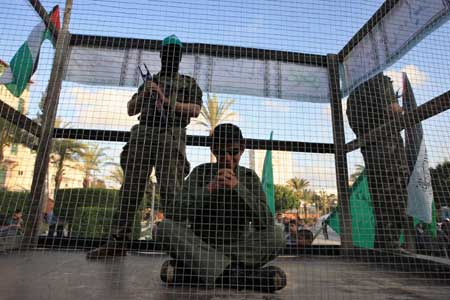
(59, 174)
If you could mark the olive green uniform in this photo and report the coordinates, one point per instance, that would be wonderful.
(221, 227)
(384, 157)
(158, 141)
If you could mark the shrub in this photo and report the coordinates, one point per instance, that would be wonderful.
(69, 200)
(96, 222)
(10, 201)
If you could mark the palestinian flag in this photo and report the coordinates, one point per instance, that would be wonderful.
(25, 61)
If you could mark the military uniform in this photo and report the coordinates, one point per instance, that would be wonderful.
(221, 227)
(384, 157)
(159, 140)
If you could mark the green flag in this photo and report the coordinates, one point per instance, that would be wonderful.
(267, 180)
(361, 211)
(363, 219)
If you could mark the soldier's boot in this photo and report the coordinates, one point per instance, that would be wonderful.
(266, 279)
(114, 247)
(174, 273)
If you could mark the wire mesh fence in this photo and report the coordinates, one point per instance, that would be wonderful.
(262, 146)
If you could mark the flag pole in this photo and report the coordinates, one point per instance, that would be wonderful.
(35, 216)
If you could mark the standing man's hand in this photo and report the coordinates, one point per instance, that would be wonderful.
(396, 108)
(152, 87)
(226, 178)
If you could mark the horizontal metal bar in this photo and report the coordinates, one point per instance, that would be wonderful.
(425, 111)
(45, 17)
(194, 140)
(18, 119)
(367, 27)
(81, 243)
(224, 51)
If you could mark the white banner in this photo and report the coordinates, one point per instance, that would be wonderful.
(272, 79)
(420, 191)
(403, 27)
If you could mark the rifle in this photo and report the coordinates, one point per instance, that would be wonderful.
(147, 76)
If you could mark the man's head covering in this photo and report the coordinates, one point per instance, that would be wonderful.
(171, 40)
(227, 133)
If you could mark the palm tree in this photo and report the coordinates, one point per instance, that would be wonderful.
(298, 186)
(213, 113)
(359, 169)
(308, 199)
(65, 151)
(325, 200)
(117, 175)
(93, 158)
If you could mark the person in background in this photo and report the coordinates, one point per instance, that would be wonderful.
(14, 226)
(369, 106)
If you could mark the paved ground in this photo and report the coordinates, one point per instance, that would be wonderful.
(68, 275)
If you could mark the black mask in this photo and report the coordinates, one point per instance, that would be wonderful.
(170, 59)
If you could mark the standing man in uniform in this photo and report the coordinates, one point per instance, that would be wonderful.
(165, 102)
(231, 233)
(369, 106)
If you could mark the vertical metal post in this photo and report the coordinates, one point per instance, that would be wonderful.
(340, 154)
(35, 216)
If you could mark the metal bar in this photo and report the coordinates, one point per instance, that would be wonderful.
(427, 110)
(233, 52)
(18, 119)
(370, 24)
(45, 17)
(345, 221)
(34, 219)
(194, 140)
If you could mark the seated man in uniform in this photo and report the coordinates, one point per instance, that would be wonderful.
(230, 234)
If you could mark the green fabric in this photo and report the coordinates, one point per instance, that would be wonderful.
(267, 180)
(432, 227)
(171, 40)
(363, 220)
(22, 67)
(249, 192)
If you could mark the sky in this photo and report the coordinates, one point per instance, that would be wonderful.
(318, 27)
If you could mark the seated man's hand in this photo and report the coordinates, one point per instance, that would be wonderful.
(225, 179)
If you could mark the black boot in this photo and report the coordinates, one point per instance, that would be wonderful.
(175, 273)
(267, 279)
(116, 246)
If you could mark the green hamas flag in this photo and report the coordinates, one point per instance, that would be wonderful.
(361, 210)
(267, 180)
(363, 220)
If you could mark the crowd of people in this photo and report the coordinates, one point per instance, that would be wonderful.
(297, 233)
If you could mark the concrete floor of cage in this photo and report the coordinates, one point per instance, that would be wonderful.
(66, 274)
